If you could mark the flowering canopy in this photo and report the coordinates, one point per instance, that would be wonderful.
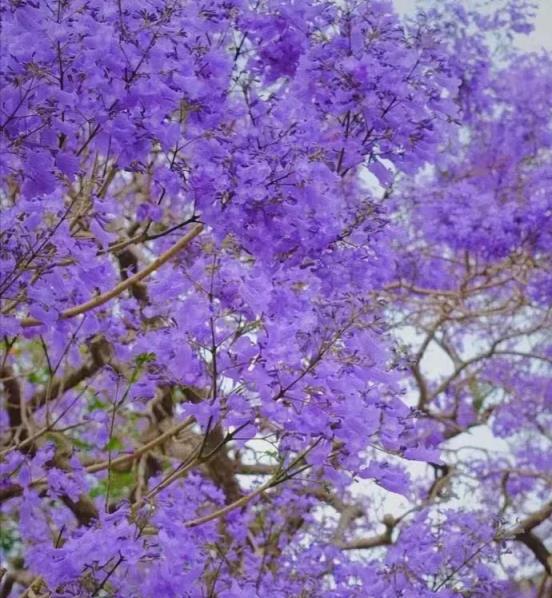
(232, 234)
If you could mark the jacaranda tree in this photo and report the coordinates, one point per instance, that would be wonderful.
(235, 235)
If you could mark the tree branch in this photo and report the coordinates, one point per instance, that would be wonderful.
(125, 284)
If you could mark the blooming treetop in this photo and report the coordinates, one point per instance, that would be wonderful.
(221, 219)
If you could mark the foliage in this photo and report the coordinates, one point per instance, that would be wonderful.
(234, 238)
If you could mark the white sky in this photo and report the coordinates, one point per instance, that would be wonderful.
(540, 38)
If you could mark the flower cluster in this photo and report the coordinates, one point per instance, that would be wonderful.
(223, 221)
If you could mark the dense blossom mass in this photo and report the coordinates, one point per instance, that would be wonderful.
(276, 284)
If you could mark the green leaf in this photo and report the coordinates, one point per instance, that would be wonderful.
(114, 444)
(95, 404)
(145, 358)
(121, 483)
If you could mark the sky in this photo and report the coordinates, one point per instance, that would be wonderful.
(540, 38)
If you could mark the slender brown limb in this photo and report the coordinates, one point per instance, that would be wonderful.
(125, 284)
(522, 532)
(531, 521)
(228, 508)
(143, 449)
(278, 478)
(537, 547)
(14, 404)
(383, 539)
